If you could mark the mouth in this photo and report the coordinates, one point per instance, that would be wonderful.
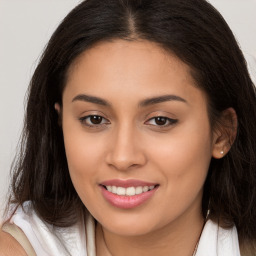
(130, 191)
(127, 194)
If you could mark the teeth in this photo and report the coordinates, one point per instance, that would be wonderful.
(145, 189)
(120, 191)
(130, 191)
(138, 190)
(113, 190)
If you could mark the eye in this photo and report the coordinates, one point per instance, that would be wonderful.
(161, 121)
(93, 120)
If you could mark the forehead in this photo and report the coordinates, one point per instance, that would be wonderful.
(129, 55)
(120, 68)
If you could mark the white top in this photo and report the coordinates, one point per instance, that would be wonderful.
(79, 240)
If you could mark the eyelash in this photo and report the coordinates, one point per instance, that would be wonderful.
(83, 121)
(167, 120)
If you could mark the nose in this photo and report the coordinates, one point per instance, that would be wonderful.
(125, 150)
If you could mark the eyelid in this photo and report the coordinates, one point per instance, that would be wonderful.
(170, 117)
(170, 120)
(92, 112)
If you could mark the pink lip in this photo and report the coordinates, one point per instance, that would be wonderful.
(127, 202)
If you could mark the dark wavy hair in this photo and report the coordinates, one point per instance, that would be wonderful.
(197, 34)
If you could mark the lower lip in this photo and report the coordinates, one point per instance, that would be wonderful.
(127, 202)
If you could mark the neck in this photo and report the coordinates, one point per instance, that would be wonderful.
(169, 240)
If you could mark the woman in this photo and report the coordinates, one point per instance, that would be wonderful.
(139, 136)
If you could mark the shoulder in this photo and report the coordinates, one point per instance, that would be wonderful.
(42, 238)
(9, 245)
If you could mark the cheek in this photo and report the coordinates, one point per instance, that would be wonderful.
(83, 165)
(83, 156)
(183, 160)
(81, 153)
(183, 151)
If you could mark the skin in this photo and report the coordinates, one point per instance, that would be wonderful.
(9, 246)
(129, 144)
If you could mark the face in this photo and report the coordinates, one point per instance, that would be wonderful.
(137, 136)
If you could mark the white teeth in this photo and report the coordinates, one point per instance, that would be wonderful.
(130, 191)
(120, 191)
(113, 189)
(145, 189)
(138, 190)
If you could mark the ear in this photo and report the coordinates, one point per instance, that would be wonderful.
(59, 112)
(224, 133)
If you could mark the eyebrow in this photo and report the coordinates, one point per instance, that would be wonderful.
(91, 99)
(144, 103)
(160, 99)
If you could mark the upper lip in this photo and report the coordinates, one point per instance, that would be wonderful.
(127, 183)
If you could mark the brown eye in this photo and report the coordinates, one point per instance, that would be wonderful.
(161, 120)
(96, 119)
(93, 120)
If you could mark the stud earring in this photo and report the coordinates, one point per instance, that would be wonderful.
(222, 152)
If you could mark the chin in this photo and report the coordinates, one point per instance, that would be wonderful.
(128, 230)
(130, 225)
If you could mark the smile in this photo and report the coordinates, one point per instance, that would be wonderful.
(127, 194)
(130, 191)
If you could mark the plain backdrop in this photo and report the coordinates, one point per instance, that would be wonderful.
(25, 28)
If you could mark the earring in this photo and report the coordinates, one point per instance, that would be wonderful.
(222, 152)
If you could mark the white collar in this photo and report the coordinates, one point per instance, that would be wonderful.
(216, 241)
(48, 240)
